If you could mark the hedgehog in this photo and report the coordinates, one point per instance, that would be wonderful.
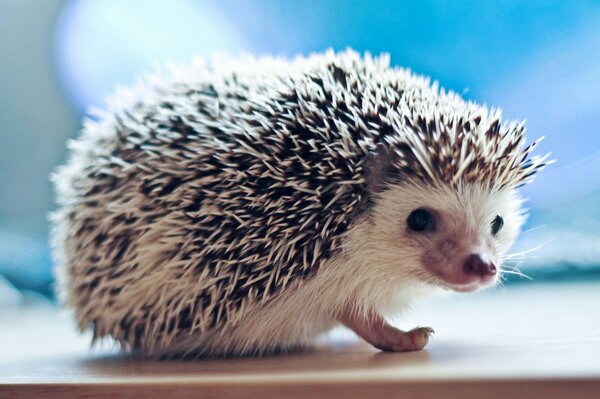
(247, 205)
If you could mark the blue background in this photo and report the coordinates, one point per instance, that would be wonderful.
(538, 60)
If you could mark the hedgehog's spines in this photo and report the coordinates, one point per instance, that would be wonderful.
(243, 178)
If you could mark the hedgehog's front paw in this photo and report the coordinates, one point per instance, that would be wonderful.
(394, 340)
(419, 337)
(376, 331)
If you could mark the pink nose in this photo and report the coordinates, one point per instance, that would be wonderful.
(474, 265)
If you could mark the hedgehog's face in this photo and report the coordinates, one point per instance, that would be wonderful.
(453, 238)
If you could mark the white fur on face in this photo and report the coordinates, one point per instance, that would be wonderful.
(462, 227)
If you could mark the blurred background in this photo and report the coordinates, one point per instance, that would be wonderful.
(538, 60)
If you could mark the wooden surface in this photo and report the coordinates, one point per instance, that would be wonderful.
(536, 341)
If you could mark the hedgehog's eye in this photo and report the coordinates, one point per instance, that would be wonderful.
(420, 220)
(497, 224)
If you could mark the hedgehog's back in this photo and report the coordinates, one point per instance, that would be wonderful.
(213, 193)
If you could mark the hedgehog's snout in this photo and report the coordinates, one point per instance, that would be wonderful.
(464, 273)
(475, 266)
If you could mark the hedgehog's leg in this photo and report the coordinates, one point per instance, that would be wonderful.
(373, 328)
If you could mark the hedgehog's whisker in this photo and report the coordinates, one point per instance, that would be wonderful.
(534, 228)
(517, 273)
(514, 267)
(501, 283)
(527, 251)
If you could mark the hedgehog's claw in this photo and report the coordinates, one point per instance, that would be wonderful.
(375, 330)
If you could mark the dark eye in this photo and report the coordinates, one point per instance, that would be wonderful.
(420, 220)
(497, 224)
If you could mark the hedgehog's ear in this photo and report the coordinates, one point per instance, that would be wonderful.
(381, 168)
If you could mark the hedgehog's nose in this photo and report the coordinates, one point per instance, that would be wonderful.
(476, 266)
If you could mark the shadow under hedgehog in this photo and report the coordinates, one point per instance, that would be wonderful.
(247, 206)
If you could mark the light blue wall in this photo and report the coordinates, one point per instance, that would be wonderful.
(35, 119)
